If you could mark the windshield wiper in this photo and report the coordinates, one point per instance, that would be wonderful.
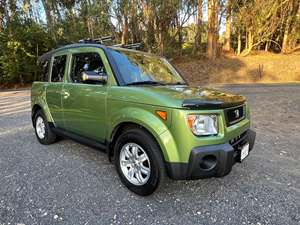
(151, 82)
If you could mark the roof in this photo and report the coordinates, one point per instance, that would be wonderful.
(49, 54)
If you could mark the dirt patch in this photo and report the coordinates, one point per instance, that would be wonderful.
(259, 67)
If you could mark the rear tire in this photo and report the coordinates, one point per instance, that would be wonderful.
(139, 161)
(43, 131)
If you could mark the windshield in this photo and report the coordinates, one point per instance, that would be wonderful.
(142, 68)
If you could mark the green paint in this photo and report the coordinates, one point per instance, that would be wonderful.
(95, 110)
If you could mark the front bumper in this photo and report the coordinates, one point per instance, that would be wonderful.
(212, 160)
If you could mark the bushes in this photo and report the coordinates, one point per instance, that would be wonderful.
(21, 42)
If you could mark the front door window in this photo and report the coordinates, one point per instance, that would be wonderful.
(83, 62)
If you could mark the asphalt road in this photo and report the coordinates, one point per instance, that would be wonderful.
(68, 183)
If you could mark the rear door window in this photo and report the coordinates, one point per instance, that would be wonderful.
(58, 68)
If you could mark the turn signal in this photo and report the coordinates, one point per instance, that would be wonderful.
(162, 114)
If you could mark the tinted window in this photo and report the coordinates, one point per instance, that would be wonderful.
(43, 70)
(58, 68)
(86, 62)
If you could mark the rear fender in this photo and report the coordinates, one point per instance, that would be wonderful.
(38, 99)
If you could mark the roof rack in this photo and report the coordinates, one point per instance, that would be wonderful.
(100, 40)
(104, 40)
(129, 46)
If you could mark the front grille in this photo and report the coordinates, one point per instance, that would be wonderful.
(235, 114)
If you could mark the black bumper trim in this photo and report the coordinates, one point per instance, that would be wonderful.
(221, 158)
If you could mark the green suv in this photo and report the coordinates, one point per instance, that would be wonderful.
(137, 107)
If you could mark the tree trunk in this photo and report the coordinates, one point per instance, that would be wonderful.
(2, 14)
(250, 40)
(239, 47)
(217, 26)
(246, 39)
(250, 44)
(289, 37)
(134, 23)
(12, 8)
(90, 27)
(285, 43)
(293, 41)
(49, 17)
(179, 34)
(84, 12)
(227, 41)
(163, 38)
(125, 33)
(212, 29)
(55, 9)
(267, 46)
(150, 33)
(199, 27)
(149, 23)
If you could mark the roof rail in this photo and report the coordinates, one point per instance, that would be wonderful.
(103, 40)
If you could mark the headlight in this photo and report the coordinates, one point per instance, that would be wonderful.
(202, 125)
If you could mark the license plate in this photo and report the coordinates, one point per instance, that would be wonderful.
(244, 151)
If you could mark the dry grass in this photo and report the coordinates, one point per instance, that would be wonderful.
(259, 67)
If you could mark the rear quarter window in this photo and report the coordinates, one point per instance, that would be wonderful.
(43, 71)
(58, 68)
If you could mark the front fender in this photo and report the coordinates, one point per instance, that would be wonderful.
(152, 123)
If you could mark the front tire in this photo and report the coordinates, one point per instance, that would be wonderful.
(139, 162)
(43, 131)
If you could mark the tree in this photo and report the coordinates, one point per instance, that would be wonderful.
(198, 37)
(149, 23)
(48, 11)
(227, 41)
(3, 5)
(291, 24)
(163, 27)
(258, 22)
(212, 39)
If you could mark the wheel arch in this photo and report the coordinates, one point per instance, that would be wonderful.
(36, 107)
(121, 127)
(34, 110)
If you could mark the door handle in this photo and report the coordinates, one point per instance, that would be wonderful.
(65, 94)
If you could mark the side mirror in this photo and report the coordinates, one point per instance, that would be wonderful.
(93, 77)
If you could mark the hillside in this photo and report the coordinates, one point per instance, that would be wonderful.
(260, 67)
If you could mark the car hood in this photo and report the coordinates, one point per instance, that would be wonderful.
(181, 97)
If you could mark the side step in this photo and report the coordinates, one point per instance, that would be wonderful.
(80, 139)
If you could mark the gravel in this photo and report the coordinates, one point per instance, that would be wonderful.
(68, 183)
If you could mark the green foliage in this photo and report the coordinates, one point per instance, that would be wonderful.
(28, 29)
(21, 42)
